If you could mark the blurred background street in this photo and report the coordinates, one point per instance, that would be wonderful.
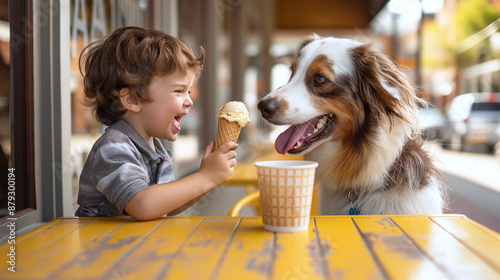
(474, 181)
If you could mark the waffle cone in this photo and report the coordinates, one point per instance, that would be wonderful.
(226, 131)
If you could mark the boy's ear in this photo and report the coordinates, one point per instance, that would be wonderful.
(128, 101)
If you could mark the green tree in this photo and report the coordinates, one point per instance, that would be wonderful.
(471, 17)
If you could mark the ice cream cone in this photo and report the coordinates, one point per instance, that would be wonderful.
(226, 131)
(231, 118)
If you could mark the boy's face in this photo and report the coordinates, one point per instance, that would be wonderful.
(170, 102)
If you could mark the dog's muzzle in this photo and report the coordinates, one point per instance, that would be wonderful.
(299, 136)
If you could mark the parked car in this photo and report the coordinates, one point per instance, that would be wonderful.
(431, 122)
(472, 118)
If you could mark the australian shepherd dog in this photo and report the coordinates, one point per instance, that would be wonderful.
(352, 110)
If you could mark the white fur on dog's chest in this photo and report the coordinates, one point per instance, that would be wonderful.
(389, 202)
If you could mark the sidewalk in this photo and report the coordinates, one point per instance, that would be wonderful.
(476, 202)
(482, 169)
(474, 181)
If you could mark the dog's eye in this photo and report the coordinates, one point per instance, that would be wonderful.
(318, 79)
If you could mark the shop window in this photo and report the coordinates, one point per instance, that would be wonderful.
(17, 192)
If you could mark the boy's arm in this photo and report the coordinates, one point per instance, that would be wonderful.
(158, 200)
(184, 207)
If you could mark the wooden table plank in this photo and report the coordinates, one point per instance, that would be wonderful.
(97, 258)
(151, 258)
(455, 258)
(44, 263)
(345, 249)
(296, 256)
(334, 247)
(41, 238)
(485, 244)
(200, 254)
(396, 253)
(250, 253)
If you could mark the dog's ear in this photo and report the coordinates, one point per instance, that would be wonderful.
(382, 79)
(391, 79)
(380, 70)
(376, 72)
(394, 92)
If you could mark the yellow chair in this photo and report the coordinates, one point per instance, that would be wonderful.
(246, 200)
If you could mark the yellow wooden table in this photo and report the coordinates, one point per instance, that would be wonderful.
(245, 173)
(334, 247)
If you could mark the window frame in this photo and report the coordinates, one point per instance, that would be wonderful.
(21, 107)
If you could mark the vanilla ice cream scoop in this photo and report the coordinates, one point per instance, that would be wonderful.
(234, 111)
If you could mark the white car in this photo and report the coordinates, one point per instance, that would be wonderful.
(473, 118)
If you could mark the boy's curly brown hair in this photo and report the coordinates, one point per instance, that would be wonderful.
(129, 58)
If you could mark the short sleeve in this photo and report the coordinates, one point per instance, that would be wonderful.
(119, 170)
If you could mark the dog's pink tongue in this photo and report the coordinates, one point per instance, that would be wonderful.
(289, 138)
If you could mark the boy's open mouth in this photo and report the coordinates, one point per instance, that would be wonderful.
(177, 121)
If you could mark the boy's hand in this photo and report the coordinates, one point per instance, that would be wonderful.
(219, 165)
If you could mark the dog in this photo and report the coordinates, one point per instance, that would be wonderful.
(352, 110)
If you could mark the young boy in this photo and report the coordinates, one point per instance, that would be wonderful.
(137, 82)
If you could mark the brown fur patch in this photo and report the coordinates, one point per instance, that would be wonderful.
(354, 129)
(296, 59)
(283, 105)
(320, 76)
(413, 167)
(346, 165)
(372, 65)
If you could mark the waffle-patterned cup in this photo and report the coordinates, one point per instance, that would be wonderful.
(286, 189)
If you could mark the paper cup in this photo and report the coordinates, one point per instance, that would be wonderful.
(286, 190)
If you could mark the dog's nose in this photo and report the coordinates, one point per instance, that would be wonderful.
(268, 107)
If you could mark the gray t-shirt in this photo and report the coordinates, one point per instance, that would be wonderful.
(120, 165)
